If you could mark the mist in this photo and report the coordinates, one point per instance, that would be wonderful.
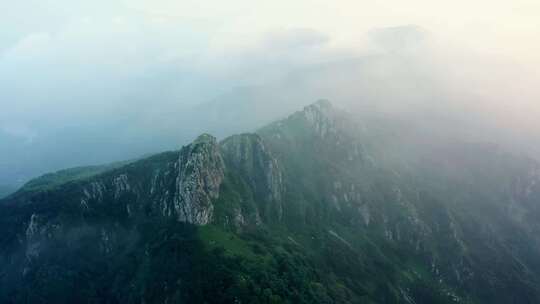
(104, 81)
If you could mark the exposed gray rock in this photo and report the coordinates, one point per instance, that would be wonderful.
(365, 214)
(33, 236)
(121, 185)
(321, 117)
(200, 171)
(248, 155)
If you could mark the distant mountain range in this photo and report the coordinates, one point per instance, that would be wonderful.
(319, 207)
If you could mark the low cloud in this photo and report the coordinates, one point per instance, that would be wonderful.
(21, 132)
(117, 83)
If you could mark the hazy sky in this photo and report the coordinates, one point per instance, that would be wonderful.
(109, 74)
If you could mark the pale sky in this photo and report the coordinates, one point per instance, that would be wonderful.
(118, 71)
(510, 28)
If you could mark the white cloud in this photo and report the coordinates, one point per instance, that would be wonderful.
(130, 66)
(30, 46)
(19, 131)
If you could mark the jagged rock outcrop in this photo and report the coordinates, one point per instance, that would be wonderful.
(196, 177)
(199, 176)
(181, 185)
(305, 199)
(248, 155)
(321, 116)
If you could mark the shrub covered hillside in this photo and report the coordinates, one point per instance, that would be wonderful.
(315, 208)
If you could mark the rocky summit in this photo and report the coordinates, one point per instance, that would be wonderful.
(315, 208)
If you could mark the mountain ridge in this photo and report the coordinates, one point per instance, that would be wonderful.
(306, 209)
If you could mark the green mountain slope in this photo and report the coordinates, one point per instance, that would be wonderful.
(6, 190)
(51, 180)
(315, 208)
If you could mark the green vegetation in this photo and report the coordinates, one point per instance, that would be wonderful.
(51, 180)
(346, 225)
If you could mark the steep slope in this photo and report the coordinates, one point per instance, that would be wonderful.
(6, 190)
(444, 217)
(311, 209)
(51, 180)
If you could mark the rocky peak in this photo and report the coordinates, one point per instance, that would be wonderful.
(321, 116)
(323, 105)
(322, 109)
(200, 172)
(205, 138)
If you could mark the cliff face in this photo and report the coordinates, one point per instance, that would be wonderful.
(181, 185)
(306, 209)
(105, 214)
(248, 155)
(445, 210)
(199, 173)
